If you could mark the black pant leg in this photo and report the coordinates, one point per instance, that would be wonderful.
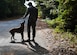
(33, 31)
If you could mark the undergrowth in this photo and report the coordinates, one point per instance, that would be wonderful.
(57, 25)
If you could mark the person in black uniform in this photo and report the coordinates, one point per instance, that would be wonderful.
(33, 15)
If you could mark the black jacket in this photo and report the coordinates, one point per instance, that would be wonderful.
(33, 14)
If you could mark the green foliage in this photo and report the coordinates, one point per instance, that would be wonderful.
(67, 9)
(67, 14)
(9, 8)
(52, 23)
(57, 23)
(48, 8)
(66, 21)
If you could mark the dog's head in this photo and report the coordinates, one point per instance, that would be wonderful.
(23, 23)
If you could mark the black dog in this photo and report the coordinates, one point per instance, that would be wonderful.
(18, 30)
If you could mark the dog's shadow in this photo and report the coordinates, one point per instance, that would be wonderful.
(35, 47)
(18, 42)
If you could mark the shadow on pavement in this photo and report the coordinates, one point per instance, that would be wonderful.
(35, 47)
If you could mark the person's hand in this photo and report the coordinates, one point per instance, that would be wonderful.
(23, 17)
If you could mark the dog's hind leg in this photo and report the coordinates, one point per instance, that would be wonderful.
(13, 36)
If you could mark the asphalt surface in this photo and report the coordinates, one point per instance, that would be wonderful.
(39, 47)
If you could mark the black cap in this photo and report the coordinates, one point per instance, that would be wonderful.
(30, 4)
(27, 0)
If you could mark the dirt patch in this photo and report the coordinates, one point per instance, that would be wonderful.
(59, 46)
(41, 24)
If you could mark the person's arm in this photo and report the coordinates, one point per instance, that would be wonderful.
(26, 13)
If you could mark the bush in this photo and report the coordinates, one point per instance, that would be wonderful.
(57, 23)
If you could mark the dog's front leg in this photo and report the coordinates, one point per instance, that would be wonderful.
(22, 37)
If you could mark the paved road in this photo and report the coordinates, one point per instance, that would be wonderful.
(39, 47)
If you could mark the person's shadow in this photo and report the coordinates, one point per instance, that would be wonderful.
(35, 47)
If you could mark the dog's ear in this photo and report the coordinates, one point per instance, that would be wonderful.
(24, 21)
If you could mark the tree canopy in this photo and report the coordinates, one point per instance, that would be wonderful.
(68, 11)
(9, 8)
